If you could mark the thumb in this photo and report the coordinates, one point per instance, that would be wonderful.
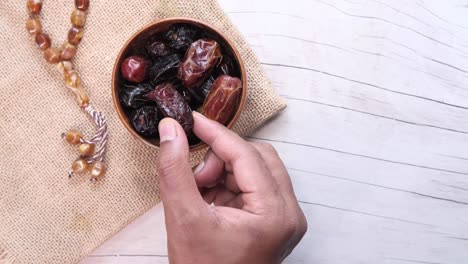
(178, 189)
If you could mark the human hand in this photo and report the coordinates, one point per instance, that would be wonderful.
(255, 218)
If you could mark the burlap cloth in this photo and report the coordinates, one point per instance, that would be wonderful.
(45, 217)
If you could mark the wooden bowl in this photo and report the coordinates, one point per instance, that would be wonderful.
(137, 42)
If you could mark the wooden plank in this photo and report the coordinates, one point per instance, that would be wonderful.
(375, 134)
(373, 75)
(369, 137)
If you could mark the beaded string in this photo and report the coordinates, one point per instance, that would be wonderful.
(91, 151)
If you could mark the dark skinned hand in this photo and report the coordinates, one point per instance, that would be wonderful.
(247, 211)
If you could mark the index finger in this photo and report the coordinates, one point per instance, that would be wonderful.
(248, 168)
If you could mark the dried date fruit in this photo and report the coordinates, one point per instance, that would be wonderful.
(164, 69)
(172, 104)
(181, 36)
(133, 96)
(201, 93)
(185, 94)
(134, 69)
(191, 69)
(188, 96)
(221, 103)
(156, 49)
(145, 121)
(206, 87)
(199, 61)
(227, 67)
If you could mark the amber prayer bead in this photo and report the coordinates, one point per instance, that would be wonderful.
(33, 26)
(82, 4)
(52, 55)
(80, 166)
(81, 97)
(78, 18)
(34, 6)
(98, 169)
(73, 137)
(43, 41)
(68, 51)
(62, 58)
(86, 149)
(72, 79)
(75, 35)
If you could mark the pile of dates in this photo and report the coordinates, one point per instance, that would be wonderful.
(178, 71)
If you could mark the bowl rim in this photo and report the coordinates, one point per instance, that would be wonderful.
(173, 20)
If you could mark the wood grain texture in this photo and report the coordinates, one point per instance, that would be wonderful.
(375, 136)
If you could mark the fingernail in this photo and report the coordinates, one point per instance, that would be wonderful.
(167, 130)
(196, 114)
(199, 168)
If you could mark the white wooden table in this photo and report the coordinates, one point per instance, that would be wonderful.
(375, 136)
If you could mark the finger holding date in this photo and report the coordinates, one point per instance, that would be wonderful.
(172, 104)
(176, 72)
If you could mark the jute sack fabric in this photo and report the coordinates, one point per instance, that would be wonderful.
(44, 216)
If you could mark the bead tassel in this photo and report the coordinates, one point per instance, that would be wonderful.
(91, 151)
